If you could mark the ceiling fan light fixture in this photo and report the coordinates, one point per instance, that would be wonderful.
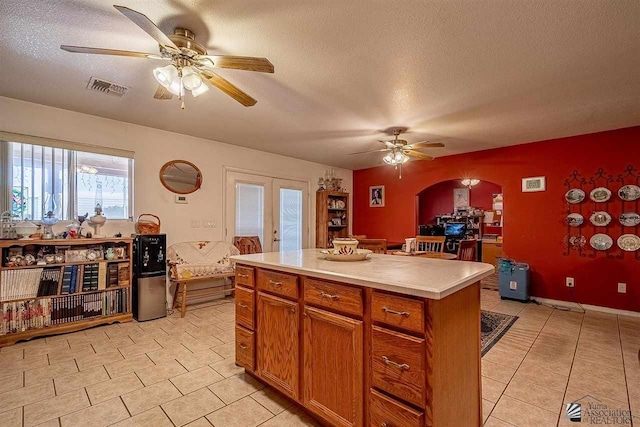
(470, 182)
(191, 78)
(175, 87)
(388, 159)
(165, 75)
(203, 88)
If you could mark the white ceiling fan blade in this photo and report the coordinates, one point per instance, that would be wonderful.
(148, 27)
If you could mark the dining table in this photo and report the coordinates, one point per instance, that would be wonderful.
(427, 254)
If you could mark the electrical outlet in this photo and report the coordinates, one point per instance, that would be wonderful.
(209, 223)
(570, 283)
(622, 288)
(195, 223)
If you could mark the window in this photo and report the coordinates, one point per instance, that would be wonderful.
(65, 181)
(249, 210)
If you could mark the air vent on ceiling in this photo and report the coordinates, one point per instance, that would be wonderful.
(106, 87)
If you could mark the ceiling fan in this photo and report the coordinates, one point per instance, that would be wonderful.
(190, 65)
(399, 151)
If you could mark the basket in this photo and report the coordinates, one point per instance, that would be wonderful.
(147, 226)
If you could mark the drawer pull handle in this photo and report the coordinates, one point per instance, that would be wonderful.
(243, 346)
(243, 276)
(242, 305)
(329, 296)
(399, 313)
(389, 362)
(293, 310)
(274, 283)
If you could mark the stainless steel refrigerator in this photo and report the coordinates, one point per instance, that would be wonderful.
(149, 276)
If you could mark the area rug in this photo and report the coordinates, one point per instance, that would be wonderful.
(490, 282)
(493, 327)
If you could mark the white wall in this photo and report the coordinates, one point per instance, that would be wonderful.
(155, 147)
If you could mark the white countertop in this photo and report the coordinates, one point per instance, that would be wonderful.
(417, 276)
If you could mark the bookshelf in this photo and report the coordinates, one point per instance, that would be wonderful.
(332, 217)
(50, 287)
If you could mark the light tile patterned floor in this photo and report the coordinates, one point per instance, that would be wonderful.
(175, 372)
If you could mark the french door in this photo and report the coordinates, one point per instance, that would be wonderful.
(276, 210)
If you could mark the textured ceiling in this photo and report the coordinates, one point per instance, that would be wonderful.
(473, 74)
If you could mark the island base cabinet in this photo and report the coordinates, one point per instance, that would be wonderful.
(332, 370)
(278, 343)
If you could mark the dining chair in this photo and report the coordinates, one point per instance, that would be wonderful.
(378, 246)
(467, 251)
(430, 243)
(247, 244)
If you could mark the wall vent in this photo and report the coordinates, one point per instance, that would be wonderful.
(106, 87)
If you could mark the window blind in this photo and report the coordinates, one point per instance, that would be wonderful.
(66, 145)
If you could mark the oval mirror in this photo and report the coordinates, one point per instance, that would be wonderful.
(180, 176)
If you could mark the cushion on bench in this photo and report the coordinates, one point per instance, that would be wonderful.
(203, 258)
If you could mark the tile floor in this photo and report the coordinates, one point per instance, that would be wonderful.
(176, 372)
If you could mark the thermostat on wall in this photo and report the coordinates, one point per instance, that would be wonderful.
(180, 198)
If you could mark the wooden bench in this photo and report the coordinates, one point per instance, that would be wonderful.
(197, 262)
(183, 294)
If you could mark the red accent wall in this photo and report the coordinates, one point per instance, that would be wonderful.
(438, 199)
(534, 225)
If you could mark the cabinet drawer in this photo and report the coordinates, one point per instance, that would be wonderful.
(398, 311)
(245, 348)
(244, 307)
(385, 411)
(331, 295)
(244, 276)
(398, 364)
(278, 283)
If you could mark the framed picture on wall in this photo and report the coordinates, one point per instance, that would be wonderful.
(460, 198)
(533, 184)
(376, 196)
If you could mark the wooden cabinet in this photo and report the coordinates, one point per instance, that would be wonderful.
(401, 312)
(244, 276)
(386, 411)
(244, 307)
(332, 217)
(245, 349)
(345, 299)
(491, 251)
(278, 343)
(332, 370)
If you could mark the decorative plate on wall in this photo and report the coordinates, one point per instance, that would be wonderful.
(575, 195)
(600, 218)
(575, 241)
(600, 194)
(629, 242)
(629, 193)
(601, 242)
(575, 219)
(629, 219)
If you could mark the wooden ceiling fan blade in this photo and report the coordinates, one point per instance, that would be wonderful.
(418, 155)
(148, 27)
(371, 151)
(162, 93)
(228, 88)
(248, 63)
(115, 52)
(425, 144)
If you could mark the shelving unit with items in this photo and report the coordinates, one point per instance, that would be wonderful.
(49, 287)
(332, 217)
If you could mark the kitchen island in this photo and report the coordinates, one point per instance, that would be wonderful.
(391, 341)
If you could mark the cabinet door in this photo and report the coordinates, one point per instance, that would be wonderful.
(333, 360)
(278, 343)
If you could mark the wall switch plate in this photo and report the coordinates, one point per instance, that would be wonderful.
(622, 288)
(209, 223)
(195, 223)
(570, 283)
(182, 199)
